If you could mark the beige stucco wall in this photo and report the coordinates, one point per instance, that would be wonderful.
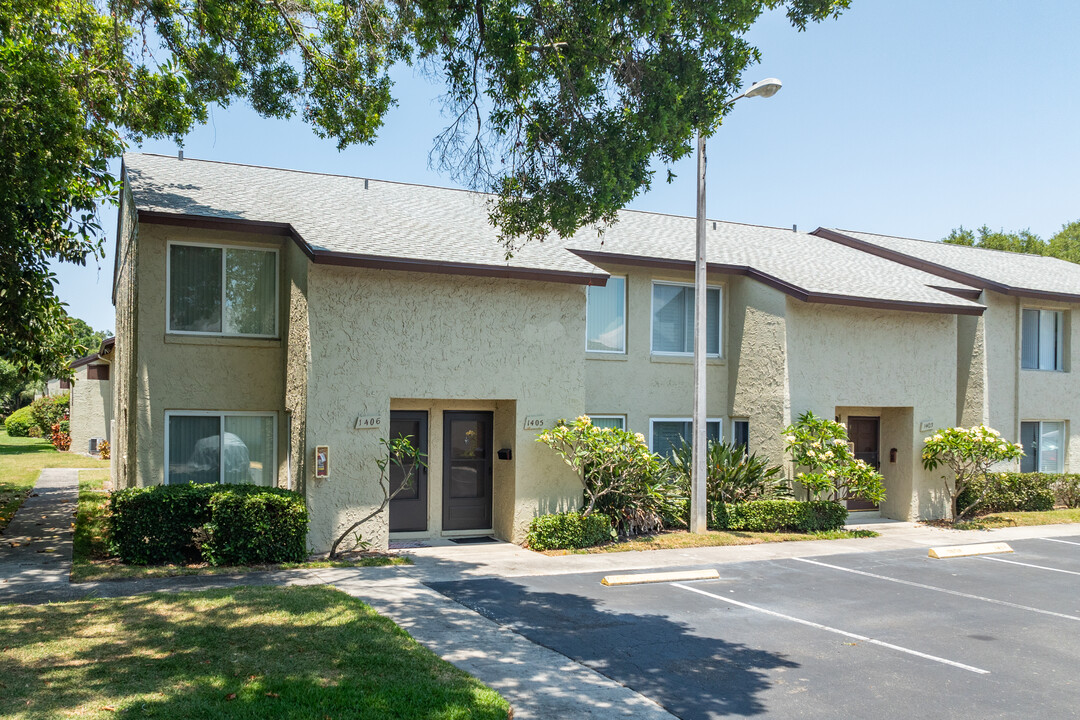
(842, 357)
(177, 372)
(641, 385)
(1015, 395)
(125, 352)
(758, 378)
(91, 410)
(380, 337)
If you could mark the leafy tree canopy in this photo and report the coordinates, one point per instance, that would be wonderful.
(558, 108)
(1065, 244)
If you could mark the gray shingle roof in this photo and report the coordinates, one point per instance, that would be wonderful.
(350, 216)
(1015, 273)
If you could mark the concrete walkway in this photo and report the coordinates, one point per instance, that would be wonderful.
(35, 559)
(35, 548)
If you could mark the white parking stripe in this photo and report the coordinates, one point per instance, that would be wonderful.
(1067, 542)
(826, 628)
(1039, 567)
(942, 590)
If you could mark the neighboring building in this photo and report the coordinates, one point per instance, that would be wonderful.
(262, 313)
(91, 410)
(1015, 361)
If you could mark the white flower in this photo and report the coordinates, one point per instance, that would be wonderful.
(839, 441)
(828, 454)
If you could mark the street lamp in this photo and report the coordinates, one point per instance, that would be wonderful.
(698, 517)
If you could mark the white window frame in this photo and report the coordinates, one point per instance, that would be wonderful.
(653, 420)
(224, 247)
(220, 414)
(719, 319)
(598, 416)
(1064, 441)
(626, 298)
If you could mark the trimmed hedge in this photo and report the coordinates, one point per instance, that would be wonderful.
(246, 528)
(568, 531)
(786, 516)
(18, 423)
(218, 524)
(49, 410)
(1067, 490)
(1008, 492)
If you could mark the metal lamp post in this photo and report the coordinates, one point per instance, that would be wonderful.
(698, 515)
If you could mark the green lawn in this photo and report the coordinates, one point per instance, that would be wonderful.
(682, 539)
(21, 461)
(301, 652)
(1014, 519)
(91, 559)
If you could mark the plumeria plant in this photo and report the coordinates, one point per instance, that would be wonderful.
(619, 475)
(968, 453)
(820, 446)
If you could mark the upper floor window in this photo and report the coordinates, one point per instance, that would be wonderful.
(605, 317)
(1043, 340)
(222, 290)
(673, 319)
(617, 422)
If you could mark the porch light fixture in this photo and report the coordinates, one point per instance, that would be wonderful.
(698, 516)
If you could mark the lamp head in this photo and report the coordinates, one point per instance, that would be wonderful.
(764, 88)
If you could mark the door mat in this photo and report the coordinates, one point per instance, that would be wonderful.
(407, 544)
(473, 540)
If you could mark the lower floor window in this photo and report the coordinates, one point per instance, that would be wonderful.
(220, 447)
(666, 435)
(740, 433)
(1044, 447)
(618, 422)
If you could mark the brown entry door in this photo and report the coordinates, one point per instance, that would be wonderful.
(865, 434)
(467, 470)
(408, 509)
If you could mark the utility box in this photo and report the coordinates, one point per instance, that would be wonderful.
(95, 445)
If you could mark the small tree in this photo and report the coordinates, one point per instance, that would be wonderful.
(968, 453)
(821, 446)
(618, 474)
(401, 453)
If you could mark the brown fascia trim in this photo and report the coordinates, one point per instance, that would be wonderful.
(84, 360)
(941, 270)
(329, 257)
(776, 283)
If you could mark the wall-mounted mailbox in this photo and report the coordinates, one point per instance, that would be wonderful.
(505, 454)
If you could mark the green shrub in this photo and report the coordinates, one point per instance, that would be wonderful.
(786, 516)
(1008, 492)
(18, 423)
(252, 525)
(1067, 490)
(619, 476)
(156, 525)
(219, 524)
(49, 410)
(732, 475)
(569, 530)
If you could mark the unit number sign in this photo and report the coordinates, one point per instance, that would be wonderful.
(368, 422)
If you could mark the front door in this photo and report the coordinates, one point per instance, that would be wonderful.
(864, 433)
(467, 470)
(408, 509)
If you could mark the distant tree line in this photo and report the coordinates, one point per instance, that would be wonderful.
(1065, 244)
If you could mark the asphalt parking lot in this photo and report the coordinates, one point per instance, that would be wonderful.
(871, 635)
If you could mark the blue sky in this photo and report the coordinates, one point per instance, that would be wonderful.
(907, 118)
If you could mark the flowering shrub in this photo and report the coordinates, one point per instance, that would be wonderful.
(968, 453)
(618, 474)
(104, 450)
(61, 435)
(821, 446)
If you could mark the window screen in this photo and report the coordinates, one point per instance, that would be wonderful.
(200, 452)
(605, 323)
(231, 291)
(673, 319)
(667, 435)
(1042, 340)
